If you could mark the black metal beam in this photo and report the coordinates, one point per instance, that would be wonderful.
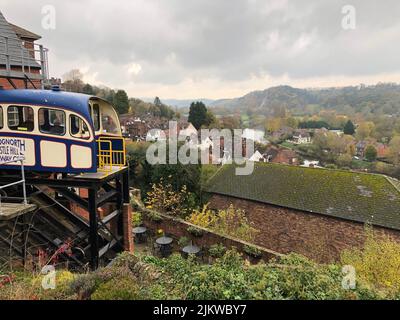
(72, 197)
(93, 235)
(125, 186)
(106, 197)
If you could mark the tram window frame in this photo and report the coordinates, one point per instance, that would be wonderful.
(1, 118)
(18, 126)
(63, 124)
(82, 126)
(96, 116)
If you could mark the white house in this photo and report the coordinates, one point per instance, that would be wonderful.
(257, 157)
(301, 137)
(255, 135)
(311, 164)
(205, 144)
(190, 132)
(155, 135)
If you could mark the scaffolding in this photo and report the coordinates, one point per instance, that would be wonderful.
(21, 62)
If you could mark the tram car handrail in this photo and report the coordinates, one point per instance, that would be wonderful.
(22, 181)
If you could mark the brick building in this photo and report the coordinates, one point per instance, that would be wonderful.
(23, 63)
(281, 155)
(314, 212)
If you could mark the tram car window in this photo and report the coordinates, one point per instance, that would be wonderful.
(79, 129)
(96, 117)
(1, 118)
(20, 118)
(52, 121)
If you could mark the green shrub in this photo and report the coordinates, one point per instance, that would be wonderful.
(195, 231)
(118, 289)
(154, 216)
(183, 241)
(252, 251)
(217, 250)
(136, 219)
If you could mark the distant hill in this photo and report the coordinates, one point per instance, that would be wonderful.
(185, 103)
(380, 98)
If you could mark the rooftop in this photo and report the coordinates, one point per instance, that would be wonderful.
(23, 33)
(9, 42)
(360, 197)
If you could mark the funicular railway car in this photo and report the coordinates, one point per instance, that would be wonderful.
(59, 132)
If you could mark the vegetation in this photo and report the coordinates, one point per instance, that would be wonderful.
(252, 251)
(229, 277)
(121, 102)
(230, 222)
(217, 250)
(349, 128)
(370, 153)
(198, 115)
(378, 264)
(164, 199)
(136, 219)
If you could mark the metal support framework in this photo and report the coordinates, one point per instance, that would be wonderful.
(15, 54)
(113, 188)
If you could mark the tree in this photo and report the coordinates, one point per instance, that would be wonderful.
(88, 89)
(73, 75)
(157, 101)
(344, 160)
(394, 150)
(198, 114)
(371, 153)
(121, 102)
(349, 128)
(365, 130)
(73, 81)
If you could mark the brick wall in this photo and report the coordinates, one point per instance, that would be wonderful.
(177, 228)
(20, 83)
(285, 230)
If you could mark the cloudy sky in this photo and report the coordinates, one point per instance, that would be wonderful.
(216, 48)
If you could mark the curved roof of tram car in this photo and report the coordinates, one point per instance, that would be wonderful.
(76, 102)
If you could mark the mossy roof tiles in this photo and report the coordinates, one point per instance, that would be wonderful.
(360, 197)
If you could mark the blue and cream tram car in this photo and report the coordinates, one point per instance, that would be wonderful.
(59, 132)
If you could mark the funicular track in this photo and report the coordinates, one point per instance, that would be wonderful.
(59, 232)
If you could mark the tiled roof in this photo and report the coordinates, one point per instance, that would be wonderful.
(360, 197)
(15, 48)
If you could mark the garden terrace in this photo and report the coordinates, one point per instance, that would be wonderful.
(359, 197)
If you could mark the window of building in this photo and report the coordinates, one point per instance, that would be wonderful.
(52, 121)
(20, 118)
(78, 127)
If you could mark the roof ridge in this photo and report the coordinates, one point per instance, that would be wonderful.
(391, 180)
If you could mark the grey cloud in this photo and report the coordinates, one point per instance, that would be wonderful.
(225, 39)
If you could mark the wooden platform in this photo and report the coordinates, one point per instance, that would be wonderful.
(100, 175)
(9, 211)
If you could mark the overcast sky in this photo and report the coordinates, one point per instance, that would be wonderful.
(216, 48)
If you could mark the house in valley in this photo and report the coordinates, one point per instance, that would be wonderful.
(301, 137)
